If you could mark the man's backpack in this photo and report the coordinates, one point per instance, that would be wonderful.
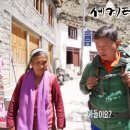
(125, 50)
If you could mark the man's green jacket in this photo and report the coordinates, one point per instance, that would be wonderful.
(109, 98)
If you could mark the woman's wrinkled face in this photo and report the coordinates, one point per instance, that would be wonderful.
(39, 64)
(106, 48)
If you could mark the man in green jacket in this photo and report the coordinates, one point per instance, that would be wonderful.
(107, 82)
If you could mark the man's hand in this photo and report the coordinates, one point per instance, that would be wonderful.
(91, 82)
(126, 76)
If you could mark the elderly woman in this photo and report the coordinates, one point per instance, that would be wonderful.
(37, 98)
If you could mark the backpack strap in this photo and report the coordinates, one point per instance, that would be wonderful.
(108, 76)
(128, 89)
(128, 97)
(97, 72)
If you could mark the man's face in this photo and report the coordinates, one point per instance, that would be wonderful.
(106, 48)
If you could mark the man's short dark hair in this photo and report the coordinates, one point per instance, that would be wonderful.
(107, 31)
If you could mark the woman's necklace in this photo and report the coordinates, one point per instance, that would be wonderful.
(37, 82)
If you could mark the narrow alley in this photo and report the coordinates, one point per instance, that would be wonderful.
(75, 106)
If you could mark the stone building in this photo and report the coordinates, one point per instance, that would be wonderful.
(25, 25)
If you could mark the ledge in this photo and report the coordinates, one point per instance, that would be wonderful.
(58, 3)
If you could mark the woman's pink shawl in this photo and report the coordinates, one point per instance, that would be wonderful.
(27, 100)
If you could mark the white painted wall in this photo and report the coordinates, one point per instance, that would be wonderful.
(64, 42)
(86, 56)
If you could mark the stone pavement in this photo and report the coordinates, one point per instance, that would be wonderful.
(75, 104)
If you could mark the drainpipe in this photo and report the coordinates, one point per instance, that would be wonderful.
(82, 38)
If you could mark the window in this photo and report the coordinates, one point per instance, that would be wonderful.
(73, 56)
(39, 5)
(92, 54)
(51, 15)
(72, 32)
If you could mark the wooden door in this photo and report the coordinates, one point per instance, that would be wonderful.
(33, 43)
(50, 53)
(76, 57)
(19, 55)
(50, 56)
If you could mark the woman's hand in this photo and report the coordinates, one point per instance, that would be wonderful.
(13, 128)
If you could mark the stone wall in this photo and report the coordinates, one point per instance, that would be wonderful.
(5, 40)
(25, 15)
